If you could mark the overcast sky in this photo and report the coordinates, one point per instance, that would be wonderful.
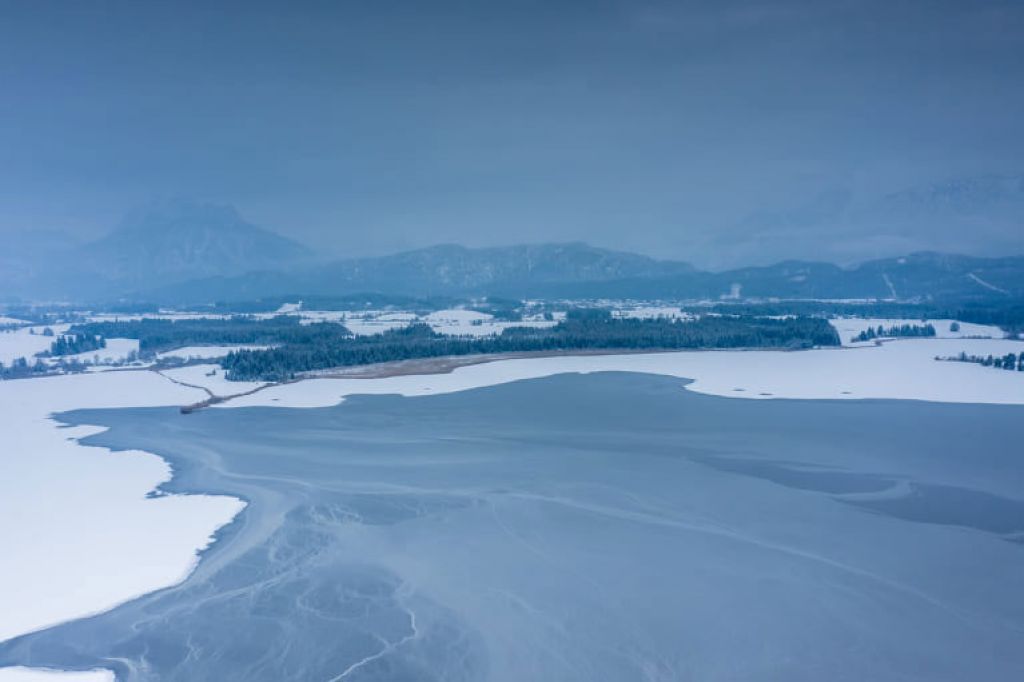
(670, 128)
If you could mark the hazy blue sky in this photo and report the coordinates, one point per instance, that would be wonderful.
(672, 128)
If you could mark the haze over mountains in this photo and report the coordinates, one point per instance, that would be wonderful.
(161, 244)
(976, 215)
(188, 253)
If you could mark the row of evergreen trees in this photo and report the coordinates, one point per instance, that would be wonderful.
(1010, 361)
(156, 335)
(912, 330)
(20, 368)
(582, 330)
(72, 344)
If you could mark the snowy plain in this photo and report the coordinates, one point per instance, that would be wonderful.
(89, 536)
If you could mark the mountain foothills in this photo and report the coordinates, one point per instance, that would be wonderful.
(182, 253)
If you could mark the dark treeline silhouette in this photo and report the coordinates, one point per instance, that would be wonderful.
(895, 330)
(20, 368)
(1010, 361)
(1008, 315)
(71, 344)
(160, 335)
(582, 330)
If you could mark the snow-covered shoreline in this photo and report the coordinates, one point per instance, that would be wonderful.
(903, 369)
(90, 534)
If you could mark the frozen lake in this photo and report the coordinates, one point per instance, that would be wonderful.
(580, 527)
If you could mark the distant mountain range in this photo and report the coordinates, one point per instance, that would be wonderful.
(981, 215)
(187, 253)
(577, 270)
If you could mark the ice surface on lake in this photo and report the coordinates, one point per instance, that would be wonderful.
(598, 527)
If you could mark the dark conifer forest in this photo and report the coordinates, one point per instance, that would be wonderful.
(582, 330)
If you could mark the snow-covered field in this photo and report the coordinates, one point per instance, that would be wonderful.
(27, 341)
(364, 324)
(212, 378)
(86, 536)
(22, 343)
(206, 352)
(652, 312)
(473, 323)
(849, 327)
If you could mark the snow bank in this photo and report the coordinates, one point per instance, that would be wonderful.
(652, 312)
(904, 369)
(80, 536)
(20, 343)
